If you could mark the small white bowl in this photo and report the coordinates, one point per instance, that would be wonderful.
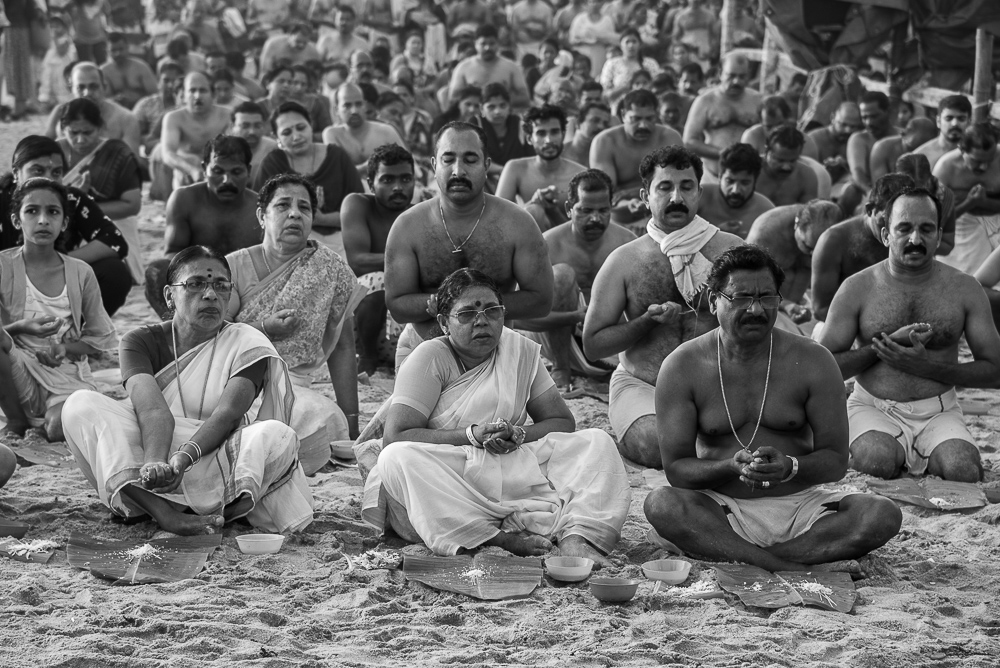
(260, 543)
(568, 569)
(613, 590)
(670, 571)
(343, 450)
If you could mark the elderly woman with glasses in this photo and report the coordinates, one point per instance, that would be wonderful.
(205, 427)
(461, 467)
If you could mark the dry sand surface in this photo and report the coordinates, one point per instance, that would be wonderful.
(930, 600)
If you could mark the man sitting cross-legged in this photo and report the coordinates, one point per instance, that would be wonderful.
(751, 419)
(907, 315)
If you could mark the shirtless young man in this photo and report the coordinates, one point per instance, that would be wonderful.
(737, 494)
(657, 282)
(541, 184)
(248, 121)
(784, 179)
(852, 245)
(886, 151)
(87, 80)
(355, 133)
(908, 315)
(972, 171)
(577, 250)
(593, 119)
(789, 234)
(954, 116)
(487, 67)
(618, 151)
(366, 221)
(719, 116)
(874, 108)
(733, 203)
(831, 140)
(434, 238)
(188, 129)
(220, 212)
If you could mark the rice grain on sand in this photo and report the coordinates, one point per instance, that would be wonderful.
(930, 600)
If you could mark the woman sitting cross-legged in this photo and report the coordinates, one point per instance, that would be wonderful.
(461, 468)
(302, 296)
(51, 309)
(205, 426)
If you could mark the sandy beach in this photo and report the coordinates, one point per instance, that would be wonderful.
(930, 598)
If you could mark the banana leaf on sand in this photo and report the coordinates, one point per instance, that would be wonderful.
(758, 588)
(142, 562)
(56, 455)
(487, 577)
(931, 492)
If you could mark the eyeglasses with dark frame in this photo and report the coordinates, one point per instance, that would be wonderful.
(492, 313)
(767, 302)
(197, 286)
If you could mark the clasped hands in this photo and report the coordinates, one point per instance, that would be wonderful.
(164, 477)
(764, 468)
(500, 437)
(905, 348)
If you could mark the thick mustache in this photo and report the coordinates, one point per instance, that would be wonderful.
(459, 182)
(229, 189)
(676, 206)
(915, 248)
(755, 320)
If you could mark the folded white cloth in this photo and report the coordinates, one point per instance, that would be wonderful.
(683, 247)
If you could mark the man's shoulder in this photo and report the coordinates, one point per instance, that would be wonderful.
(668, 136)
(887, 143)
(115, 112)
(414, 216)
(720, 243)
(362, 202)
(186, 195)
(821, 134)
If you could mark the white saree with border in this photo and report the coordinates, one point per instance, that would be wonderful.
(258, 460)
(454, 497)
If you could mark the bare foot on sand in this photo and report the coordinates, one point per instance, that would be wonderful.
(577, 546)
(521, 544)
(183, 524)
(849, 566)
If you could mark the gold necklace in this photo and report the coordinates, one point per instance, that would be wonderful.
(762, 401)
(177, 373)
(458, 247)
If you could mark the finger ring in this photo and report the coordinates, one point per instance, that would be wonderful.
(765, 484)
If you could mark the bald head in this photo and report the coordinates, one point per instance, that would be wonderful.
(918, 132)
(819, 215)
(87, 81)
(846, 121)
(198, 92)
(350, 105)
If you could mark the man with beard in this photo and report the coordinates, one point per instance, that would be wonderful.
(972, 171)
(852, 245)
(733, 204)
(720, 116)
(487, 67)
(247, 121)
(954, 116)
(87, 80)
(188, 129)
(577, 250)
(366, 221)
(790, 234)
(783, 178)
(593, 119)
(877, 125)
(462, 227)
(357, 135)
(219, 212)
(897, 326)
(658, 283)
(541, 183)
(618, 152)
(887, 151)
(831, 140)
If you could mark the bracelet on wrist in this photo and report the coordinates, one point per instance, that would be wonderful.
(197, 448)
(794, 471)
(471, 435)
(263, 329)
(188, 455)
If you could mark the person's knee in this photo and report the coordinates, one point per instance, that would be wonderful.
(53, 423)
(956, 460)
(877, 454)
(641, 443)
(115, 282)
(875, 520)
(662, 506)
(398, 458)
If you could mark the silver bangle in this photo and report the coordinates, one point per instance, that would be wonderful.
(188, 455)
(471, 435)
(197, 448)
(263, 329)
(795, 469)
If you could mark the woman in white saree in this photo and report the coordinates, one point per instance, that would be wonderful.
(460, 467)
(205, 426)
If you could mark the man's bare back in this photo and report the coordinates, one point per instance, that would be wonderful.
(843, 250)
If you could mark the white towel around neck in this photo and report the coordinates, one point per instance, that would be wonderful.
(682, 248)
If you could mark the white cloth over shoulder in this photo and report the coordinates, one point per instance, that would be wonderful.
(683, 249)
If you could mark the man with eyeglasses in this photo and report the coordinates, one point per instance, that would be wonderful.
(219, 212)
(897, 327)
(657, 282)
(789, 234)
(751, 420)
(87, 80)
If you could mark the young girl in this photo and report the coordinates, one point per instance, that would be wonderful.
(51, 309)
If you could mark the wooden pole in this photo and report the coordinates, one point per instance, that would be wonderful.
(769, 62)
(730, 11)
(982, 86)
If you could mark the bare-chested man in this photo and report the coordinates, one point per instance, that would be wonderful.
(852, 245)
(593, 119)
(875, 117)
(831, 140)
(751, 419)
(462, 227)
(355, 133)
(886, 151)
(578, 250)
(719, 116)
(220, 212)
(784, 179)
(907, 316)
(366, 221)
(972, 171)
(775, 112)
(789, 234)
(187, 130)
(658, 283)
(541, 184)
(954, 116)
(733, 203)
(618, 152)
(487, 67)
(87, 80)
